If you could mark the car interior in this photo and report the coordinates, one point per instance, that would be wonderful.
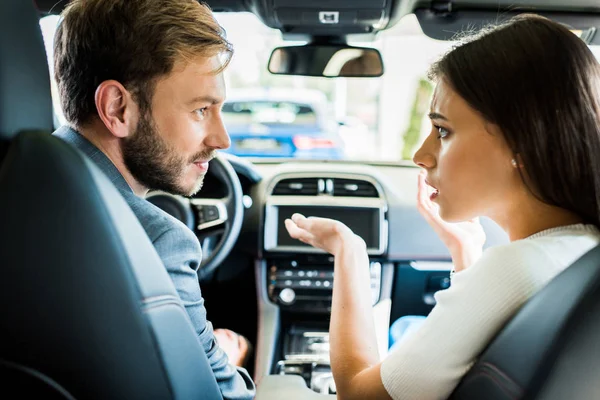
(88, 311)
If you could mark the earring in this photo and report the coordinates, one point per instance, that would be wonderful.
(514, 162)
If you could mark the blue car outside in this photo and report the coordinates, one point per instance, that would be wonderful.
(269, 125)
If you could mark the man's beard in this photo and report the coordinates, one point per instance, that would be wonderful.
(154, 163)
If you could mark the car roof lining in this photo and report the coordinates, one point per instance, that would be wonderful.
(432, 15)
(443, 28)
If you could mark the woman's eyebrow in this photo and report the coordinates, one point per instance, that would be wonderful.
(434, 115)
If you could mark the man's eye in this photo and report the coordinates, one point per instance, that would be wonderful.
(443, 132)
(201, 112)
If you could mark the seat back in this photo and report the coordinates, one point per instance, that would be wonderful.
(551, 348)
(87, 310)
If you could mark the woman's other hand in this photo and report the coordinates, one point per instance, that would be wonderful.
(323, 233)
(464, 240)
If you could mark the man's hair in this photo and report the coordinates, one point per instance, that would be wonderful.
(540, 84)
(134, 42)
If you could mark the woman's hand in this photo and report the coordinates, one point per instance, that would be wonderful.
(464, 240)
(323, 233)
(354, 354)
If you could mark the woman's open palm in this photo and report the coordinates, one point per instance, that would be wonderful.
(323, 233)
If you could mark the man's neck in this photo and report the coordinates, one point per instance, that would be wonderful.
(110, 145)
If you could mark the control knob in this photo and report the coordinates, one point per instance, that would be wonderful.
(287, 296)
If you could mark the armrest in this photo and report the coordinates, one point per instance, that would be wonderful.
(288, 387)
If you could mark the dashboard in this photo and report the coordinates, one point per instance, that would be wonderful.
(385, 201)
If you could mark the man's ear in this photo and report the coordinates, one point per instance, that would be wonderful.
(116, 108)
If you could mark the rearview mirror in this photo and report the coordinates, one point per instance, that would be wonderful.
(330, 61)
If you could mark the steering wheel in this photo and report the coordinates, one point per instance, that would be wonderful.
(209, 218)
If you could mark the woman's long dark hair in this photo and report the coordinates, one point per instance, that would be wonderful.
(540, 84)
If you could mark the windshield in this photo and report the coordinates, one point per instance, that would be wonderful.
(286, 113)
(371, 119)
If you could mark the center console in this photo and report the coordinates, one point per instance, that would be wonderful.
(295, 281)
(306, 284)
(306, 353)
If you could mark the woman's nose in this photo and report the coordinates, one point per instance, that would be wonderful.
(424, 157)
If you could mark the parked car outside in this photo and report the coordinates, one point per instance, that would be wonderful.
(281, 123)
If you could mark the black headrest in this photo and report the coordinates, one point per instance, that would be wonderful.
(25, 101)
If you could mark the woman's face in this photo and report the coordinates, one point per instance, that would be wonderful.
(467, 160)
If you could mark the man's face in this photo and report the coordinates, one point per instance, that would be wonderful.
(174, 141)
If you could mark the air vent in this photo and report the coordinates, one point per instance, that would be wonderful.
(354, 188)
(297, 187)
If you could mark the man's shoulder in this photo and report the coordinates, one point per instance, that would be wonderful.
(157, 223)
(168, 235)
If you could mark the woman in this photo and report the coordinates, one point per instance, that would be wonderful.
(515, 137)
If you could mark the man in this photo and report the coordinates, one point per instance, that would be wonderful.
(141, 85)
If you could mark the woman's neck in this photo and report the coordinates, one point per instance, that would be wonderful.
(526, 218)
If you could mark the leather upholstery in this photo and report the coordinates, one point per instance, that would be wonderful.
(551, 348)
(87, 309)
(25, 101)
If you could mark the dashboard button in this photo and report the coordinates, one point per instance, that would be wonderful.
(211, 213)
(287, 296)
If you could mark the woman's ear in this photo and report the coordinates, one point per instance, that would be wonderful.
(517, 161)
(116, 108)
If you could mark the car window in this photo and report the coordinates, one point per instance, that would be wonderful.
(267, 115)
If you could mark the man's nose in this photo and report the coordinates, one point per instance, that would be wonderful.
(424, 157)
(217, 137)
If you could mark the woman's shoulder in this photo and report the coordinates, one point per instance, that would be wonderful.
(540, 256)
(562, 244)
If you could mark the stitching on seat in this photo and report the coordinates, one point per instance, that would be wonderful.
(150, 303)
(499, 384)
(493, 373)
(503, 375)
(152, 299)
(162, 304)
(40, 376)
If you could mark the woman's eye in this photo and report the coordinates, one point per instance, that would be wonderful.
(443, 132)
(201, 112)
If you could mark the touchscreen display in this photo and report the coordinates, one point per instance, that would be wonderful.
(363, 221)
